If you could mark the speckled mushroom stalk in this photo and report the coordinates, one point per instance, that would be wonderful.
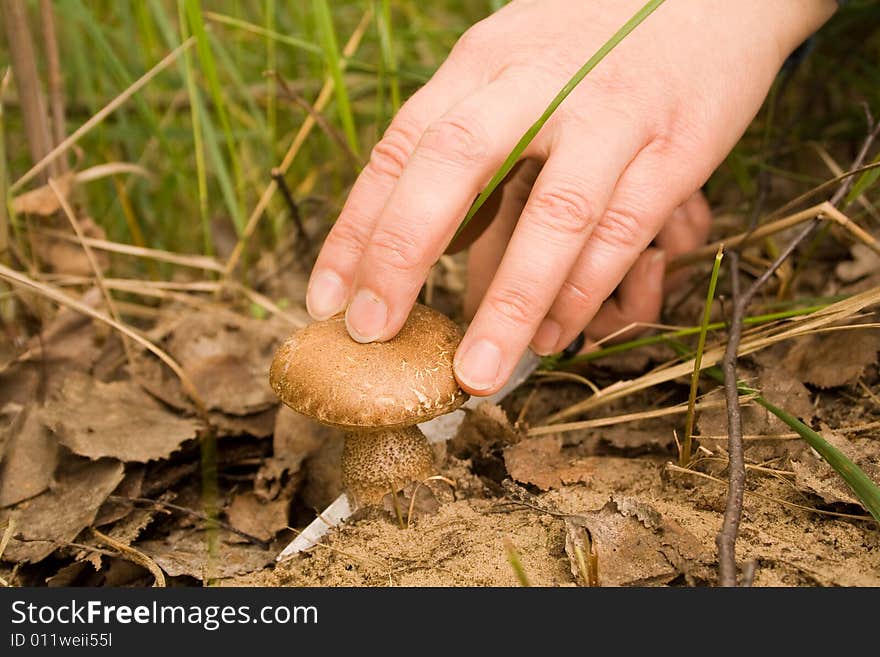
(376, 392)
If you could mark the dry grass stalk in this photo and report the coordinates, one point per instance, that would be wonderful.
(27, 78)
(102, 114)
(320, 103)
(796, 327)
(21, 280)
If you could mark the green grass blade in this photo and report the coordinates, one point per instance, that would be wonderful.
(265, 32)
(685, 456)
(196, 118)
(526, 139)
(331, 55)
(866, 490)
(389, 53)
(209, 67)
(863, 182)
(271, 83)
(554, 362)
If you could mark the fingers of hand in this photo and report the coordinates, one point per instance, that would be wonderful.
(454, 158)
(565, 203)
(333, 275)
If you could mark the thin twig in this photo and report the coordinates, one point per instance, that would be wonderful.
(302, 235)
(19, 279)
(726, 539)
(192, 512)
(129, 553)
(53, 74)
(102, 114)
(299, 139)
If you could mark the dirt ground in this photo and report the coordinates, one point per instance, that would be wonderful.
(650, 525)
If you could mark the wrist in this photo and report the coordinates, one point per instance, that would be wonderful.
(798, 19)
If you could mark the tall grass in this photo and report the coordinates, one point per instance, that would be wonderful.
(211, 174)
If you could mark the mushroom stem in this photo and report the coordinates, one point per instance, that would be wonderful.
(379, 461)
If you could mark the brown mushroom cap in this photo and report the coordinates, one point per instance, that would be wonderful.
(321, 372)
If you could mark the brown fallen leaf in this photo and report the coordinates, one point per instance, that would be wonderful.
(131, 486)
(264, 519)
(834, 359)
(43, 200)
(227, 356)
(64, 256)
(185, 552)
(295, 438)
(814, 475)
(484, 429)
(29, 460)
(115, 419)
(54, 518)
(864, 263)
(635, 544)
(540, 461)
(777, 385)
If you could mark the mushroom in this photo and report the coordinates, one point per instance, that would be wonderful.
(376, 392)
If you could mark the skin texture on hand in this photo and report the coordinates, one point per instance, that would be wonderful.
(623, 154)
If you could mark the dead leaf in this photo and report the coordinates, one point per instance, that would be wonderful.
(30, 458)
(541, 462)
(43, 200)
(864, 263)
(54, 518)
(228, 357)
(295, 438)
(483, 430)
(814, 475)
(636, 545)
(249, 513)
(829, 360)
(131, 486)
(185, 552)
(64, 256)
(115, 419)
(777, 386)
(639, 438)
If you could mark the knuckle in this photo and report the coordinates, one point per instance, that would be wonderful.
(515, 306)
(577, 297)
(390, 155)
(454, 139)
(619, 230)
(398, 249)
(473, 39)
(347, 238)
(564, 209)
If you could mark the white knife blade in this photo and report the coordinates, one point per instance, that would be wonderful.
(438, 430)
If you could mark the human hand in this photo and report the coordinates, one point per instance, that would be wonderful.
(631, 143)
(638, 298)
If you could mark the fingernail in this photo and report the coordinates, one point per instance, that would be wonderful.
(326, 295)
(658, 269)
(366, 316)
(546, 337)
(478, 367)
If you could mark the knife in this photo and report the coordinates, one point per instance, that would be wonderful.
(438, 430)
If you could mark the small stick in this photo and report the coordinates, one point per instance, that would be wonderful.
(133, 555)
(726, 539)
(278, 176)
(192, 512)
(299, 139)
